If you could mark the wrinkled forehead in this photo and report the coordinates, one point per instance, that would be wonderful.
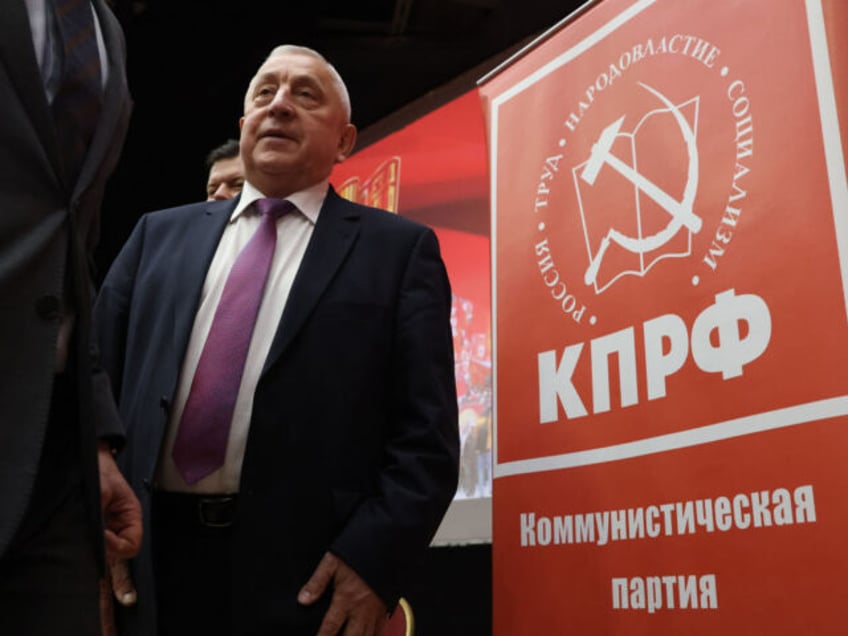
(291, 66)
(296, 63)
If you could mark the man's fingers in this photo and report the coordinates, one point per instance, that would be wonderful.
(363, 612)
(107, 615)
(122, 585)
(122, 518)
(333, 621)
(123, 542)
(363, 626)
(318, 582)
(120, 506)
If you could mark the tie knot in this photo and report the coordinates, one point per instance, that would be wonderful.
(274, 207)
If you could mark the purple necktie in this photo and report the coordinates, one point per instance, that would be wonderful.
(201, 443)
(76, 106)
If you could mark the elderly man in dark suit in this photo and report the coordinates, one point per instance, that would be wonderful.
(284, 365)
(64, 108)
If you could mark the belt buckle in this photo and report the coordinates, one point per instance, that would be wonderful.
(209, 507)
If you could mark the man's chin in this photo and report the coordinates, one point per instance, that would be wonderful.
(275, 142)
(274, 176)
(275, 161)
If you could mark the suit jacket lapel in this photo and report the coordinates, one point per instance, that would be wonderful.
(334, 235)
(201, 240)
(18, 56)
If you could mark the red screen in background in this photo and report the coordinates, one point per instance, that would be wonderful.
(434, 171)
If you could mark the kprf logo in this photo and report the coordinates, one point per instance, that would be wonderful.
(647, 248)
(638, 162)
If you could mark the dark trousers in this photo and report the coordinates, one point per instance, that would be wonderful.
(49, 574)
(192, 561)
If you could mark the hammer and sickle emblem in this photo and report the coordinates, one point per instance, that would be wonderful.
(680, 212)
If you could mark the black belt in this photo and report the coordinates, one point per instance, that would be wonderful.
(210, 511)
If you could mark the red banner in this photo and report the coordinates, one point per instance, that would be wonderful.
(670, 241)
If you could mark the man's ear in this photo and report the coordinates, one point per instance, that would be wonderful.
(346, 142)
(241, 122)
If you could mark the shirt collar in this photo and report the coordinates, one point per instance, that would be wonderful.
(308, 201)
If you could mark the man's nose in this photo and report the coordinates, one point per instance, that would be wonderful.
(281, 104)
(222, 192)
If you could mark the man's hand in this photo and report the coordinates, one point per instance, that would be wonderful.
(121, 509)
(122, 585)
(354, 606)
(117, 583)
(107, 612)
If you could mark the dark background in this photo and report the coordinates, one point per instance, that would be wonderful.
(189, 63)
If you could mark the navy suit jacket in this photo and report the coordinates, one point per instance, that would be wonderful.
(48, 228)
(353, 443)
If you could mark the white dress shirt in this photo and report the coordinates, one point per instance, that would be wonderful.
(293, 233)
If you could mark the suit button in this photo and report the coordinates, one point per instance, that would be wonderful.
(48, 308)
